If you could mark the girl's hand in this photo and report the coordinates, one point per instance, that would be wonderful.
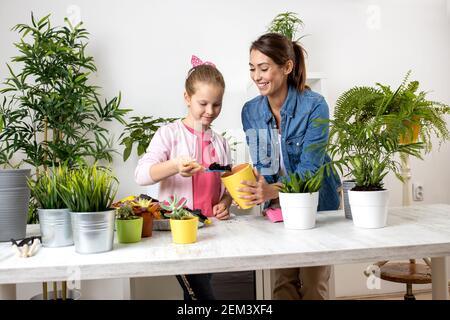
(221, 211)
(187, 167)
(260, 191)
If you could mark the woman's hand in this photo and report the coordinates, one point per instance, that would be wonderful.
(260, 191)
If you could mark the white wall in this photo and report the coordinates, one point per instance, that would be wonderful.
(143, 49)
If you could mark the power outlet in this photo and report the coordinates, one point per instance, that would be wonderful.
(417, 190)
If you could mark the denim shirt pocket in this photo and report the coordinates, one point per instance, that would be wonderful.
(294, 147)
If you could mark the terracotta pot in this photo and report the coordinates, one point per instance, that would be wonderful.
(147, 225)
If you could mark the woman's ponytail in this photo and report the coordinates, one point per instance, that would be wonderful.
(298, 75)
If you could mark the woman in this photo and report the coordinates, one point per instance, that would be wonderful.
(280, 127)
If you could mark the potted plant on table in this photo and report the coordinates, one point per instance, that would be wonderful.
(183, 224)
(89, 192)
(54, 216)
(299, 198)
(129, 225)
(364, 140)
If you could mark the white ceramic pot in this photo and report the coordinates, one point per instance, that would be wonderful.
(299, 209)
(369, 208)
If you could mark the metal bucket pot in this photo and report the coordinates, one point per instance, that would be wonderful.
(93, 232)
(14, 199)
(56, 227)
(346, 186)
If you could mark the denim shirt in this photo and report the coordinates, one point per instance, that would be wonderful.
(298, 132)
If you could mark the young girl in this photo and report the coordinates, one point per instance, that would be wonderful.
(180, 151)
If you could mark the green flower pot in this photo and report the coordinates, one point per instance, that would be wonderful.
(129, 231)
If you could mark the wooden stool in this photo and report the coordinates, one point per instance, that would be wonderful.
(406, 272)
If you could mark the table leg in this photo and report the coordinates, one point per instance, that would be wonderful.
(7, 292)
(439, 278)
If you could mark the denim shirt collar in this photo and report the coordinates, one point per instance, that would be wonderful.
(289, 105)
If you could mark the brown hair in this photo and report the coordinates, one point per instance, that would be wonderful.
(203, 73)
(280, 49)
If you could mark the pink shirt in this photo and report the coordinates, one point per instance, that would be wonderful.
(205, 185)
(171, 141)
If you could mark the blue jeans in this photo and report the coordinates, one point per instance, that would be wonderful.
(200, 285)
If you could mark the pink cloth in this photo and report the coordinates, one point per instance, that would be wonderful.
(206, 185)
(274, 214)
(171, 141)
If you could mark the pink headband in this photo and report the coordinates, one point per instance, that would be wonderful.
(195, 61)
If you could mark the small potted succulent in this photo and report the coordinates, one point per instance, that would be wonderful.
(54, 216)
(299, 198)
(183, 224)
(128, 225)
(144, 206)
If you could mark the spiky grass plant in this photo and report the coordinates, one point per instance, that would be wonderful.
(90, 189)
(47, 188)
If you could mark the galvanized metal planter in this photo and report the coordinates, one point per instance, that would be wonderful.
(56, 227)
(93, 232)
(346, 186)
(14, 199)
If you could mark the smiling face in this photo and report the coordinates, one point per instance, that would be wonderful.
(204, 105)
(270, 78)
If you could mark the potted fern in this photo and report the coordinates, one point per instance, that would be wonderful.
(54, 216)
(183, 224)
(129, 225)
(299, 198)
(89, 192)
(364, 140)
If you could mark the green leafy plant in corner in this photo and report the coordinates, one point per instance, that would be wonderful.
(46, 189)
(89, 189)
(140, 131)
(295, 183)
(287, 24)
(176, 207)
(52, 113)
(364, 138)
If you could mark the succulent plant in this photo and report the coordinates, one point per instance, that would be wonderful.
(176, 208)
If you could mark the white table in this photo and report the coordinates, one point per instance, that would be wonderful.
(249, 242)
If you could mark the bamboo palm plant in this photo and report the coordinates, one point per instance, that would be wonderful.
(309, 183)
(51, 111)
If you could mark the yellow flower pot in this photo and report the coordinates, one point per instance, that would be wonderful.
(412, 135)
(232, 181)
(184, 231)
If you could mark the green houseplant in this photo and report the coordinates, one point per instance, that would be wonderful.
(89, 192)
(51, 112)
(183, 224)
(129, 225)
(140, 131)
(54, 216)
(364, 140)
(287, 24)
(299, 198)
